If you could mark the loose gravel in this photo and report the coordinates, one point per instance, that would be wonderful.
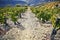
(33, 30)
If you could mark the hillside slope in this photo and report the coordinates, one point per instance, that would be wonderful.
(33, 29)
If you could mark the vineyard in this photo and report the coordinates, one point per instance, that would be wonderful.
(30, 23)
(12, 13)
(49, 12)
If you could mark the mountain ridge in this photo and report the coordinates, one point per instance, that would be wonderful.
(28, 2)
(12, 3)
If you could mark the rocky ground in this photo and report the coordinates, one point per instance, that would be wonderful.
(57, 36)
(29, 29)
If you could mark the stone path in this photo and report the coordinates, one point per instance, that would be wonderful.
(29, 20)
(33, 28)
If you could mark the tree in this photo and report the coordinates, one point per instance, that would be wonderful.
(17, 5)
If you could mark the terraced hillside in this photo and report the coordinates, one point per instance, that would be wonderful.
(51, 4)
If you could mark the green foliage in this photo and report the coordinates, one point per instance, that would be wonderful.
(47, 12)
(11, 12)
(53, 20)
(17, 5)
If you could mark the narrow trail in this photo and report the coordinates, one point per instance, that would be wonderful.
(33, 29)
(29, 20)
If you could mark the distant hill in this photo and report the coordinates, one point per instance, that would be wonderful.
(49, 5)
(28, 2)
(36, 2)
(12, 3)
